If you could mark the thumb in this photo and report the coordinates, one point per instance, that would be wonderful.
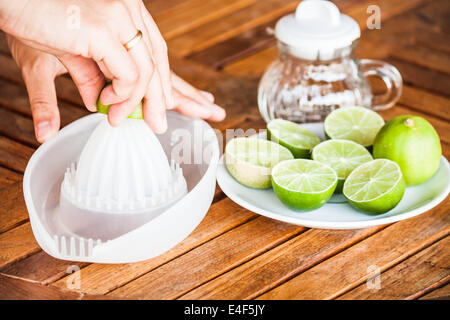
(43, 102)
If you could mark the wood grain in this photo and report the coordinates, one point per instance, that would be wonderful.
(41, 268)
(439, 293)
(279, 264)
(12, 289)
(17, 244)
(350, 268)
(233, 253)
(412, 275)
(222, 217)
(14, 97)
(425, 102)
(229, 26)
(12, 207)
(14, 155)
(210, 260)
(8, 177)
(190, 14)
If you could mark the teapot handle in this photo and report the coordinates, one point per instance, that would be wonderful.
(390, 76)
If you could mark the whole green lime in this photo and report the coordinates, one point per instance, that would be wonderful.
(413, 144)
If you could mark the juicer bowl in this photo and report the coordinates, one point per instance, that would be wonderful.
(106, 238)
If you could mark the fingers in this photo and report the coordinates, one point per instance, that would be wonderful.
(123, 69)
(204, 100)
(159, 51)
(126, 93)
(43, 101)
(87, 77)
(119, 111)
(154, 107)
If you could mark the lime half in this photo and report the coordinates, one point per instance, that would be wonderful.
(358, 124)
(341, 155)
(136, 114)
(376, 186)
(298, 140)
(303, 184)
(250, 160)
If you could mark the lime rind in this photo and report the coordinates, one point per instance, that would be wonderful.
(135, 114)
(294, 137)
(358, 124)
(341, 155)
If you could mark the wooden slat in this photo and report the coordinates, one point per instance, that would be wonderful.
(229, 26)
(254, 65)
(425, 102)
(193, 13)
(156, 7)
(17, 127)
(222, 217)
(421, 77)
(15, 97)
(236, 48)
(17, 244)
(12, 207)
(65, 87)
(439, 293)
(12, 289)
(411, 276)
(8, 177)
(279, 264)
(210, 260)
(350, 268)
(424, 56)
(41, 268)
(13, 154)
(255, 39)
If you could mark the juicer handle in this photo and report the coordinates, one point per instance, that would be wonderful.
(391, 78)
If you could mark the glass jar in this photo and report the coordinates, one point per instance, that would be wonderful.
(309, 80)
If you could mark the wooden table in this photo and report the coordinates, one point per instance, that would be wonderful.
(222, 46)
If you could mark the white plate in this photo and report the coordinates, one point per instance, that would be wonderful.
(337, 214)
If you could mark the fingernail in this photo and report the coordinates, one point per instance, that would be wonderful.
(162, 125)
(208, 95)
(170, 101)
(220, 113)
(43, 131)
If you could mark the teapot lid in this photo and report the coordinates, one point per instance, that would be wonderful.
(317, 26)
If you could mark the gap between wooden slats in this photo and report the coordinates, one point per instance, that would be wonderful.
(411, 278)
(279, 269)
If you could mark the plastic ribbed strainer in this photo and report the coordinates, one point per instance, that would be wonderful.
(98, 193)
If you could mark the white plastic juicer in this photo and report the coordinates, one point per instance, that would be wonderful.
(96, 193)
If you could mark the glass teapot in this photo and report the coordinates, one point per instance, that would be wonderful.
(316, 71)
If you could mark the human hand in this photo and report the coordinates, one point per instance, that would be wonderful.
(95, 48)
(39, 70)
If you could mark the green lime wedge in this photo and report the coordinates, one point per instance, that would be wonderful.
(303, 184)
(341, 155)
(376, 186)
(298, 140)
(136, 114)
(358, 124)
(250, 160)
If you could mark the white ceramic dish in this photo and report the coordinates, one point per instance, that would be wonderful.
(337, 213)
(122, 240)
